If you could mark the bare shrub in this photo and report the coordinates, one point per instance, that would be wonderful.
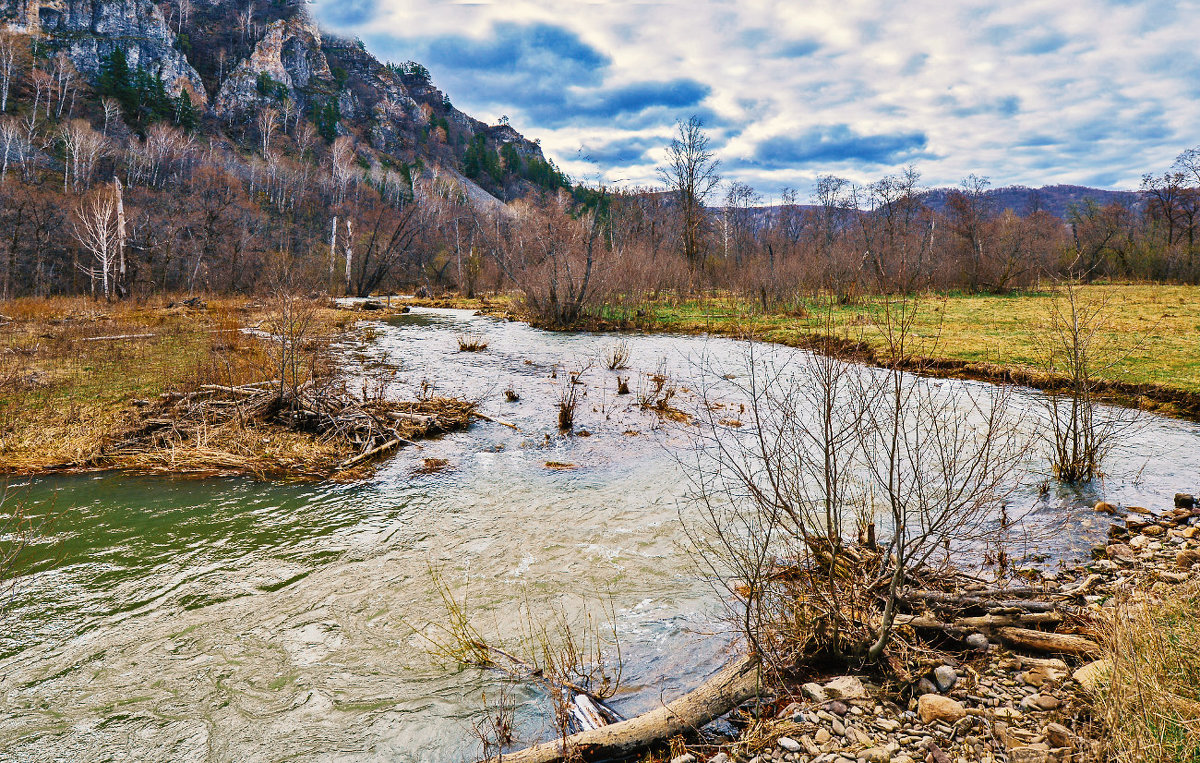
(571, 390)
(616, 355)
(472, 342)
(843, 481)
(1080, 349)
(576, 660)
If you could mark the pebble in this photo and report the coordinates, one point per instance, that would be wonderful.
(789, 744)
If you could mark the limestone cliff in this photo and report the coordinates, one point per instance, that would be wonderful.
(89, 31)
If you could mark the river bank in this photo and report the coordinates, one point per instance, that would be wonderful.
(179, 386)
(1111, 672)
(1153, 363)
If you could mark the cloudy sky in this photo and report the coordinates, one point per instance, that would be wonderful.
(1023, 91)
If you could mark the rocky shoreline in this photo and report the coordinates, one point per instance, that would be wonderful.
(987, 703)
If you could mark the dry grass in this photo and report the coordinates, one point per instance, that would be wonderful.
(64, 394)
(1151, 704)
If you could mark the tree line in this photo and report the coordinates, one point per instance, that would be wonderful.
(285, 196)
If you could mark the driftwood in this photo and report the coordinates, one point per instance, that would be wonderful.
(115, 338)
(729, 688)
(364, 429)
(1054, 643)
(479, 415)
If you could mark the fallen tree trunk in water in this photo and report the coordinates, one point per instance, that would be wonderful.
(729, 688)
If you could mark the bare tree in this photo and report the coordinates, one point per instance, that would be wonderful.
(341, 158)
(97, 228)
(82, 147)
(692, 175)
(11, 141)
(10, 45)
(112, 110)
(267, 122)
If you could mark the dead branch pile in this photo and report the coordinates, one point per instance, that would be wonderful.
(361, 429)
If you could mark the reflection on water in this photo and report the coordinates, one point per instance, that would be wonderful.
(231, 620)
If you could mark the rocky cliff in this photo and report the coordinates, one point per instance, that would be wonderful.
(90, 30)
(234, 65)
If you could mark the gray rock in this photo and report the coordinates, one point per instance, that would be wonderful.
(978, 641)
(945, 678)
(685, 758)
(925, 686)
(719, 758)
(789, 744)
(875, 755)
(815, 692)
(845, 687)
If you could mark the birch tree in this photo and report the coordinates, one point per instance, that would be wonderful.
(98, 229)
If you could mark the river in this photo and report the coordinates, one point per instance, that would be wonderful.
(228, 619)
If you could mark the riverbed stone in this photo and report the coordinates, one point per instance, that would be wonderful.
(1104, 507)
(789, 744)
(1058, 735)
(685, 758)
(1154, 531)
(945, 678)
(1121, 552)
(875, 755)
(1092, 675)
(845, 687)
(1186, 558)
(1185, 501)
(815, 692)
(934, 707)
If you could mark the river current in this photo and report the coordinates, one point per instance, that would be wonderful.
(227, 619)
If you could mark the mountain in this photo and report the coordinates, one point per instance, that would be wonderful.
(229, 66)
(1054, 199)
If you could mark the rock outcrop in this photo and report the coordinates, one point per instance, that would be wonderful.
(90, 30)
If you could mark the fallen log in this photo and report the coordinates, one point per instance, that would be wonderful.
(114, 338)
(729, 688)
(1054, 643)
(479, 415)
(391, 444)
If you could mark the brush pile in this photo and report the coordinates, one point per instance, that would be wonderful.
(346, 430)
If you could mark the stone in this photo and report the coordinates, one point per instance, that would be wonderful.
(1104, 507)
(1040, 675)
(925, 686)
(1008, 713)
(791, 710)
(837, 708)
(1154, 530)
(1092, 675)
(1186, 558)
(822, 736)
(1185, 501)
(720, 758)
(1028, 754)
(1175, 578)
(875, 755)
(888, 725)
(789, 744)
(1140, 542)
(1121, 552)
(945, 678)
(685, 758)
(934, 707)
(815, 692)
(1058, 735)
(1044, 702)
(1138, 510)
(845, 687)
(978, 642)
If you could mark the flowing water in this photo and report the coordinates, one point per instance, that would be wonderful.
(227, 619)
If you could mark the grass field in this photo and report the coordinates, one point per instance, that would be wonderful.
(1153, 330)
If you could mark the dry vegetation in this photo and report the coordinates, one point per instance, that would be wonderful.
(1151, 703)
(98, 385)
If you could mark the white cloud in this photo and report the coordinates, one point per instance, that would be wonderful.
(1024, 92)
